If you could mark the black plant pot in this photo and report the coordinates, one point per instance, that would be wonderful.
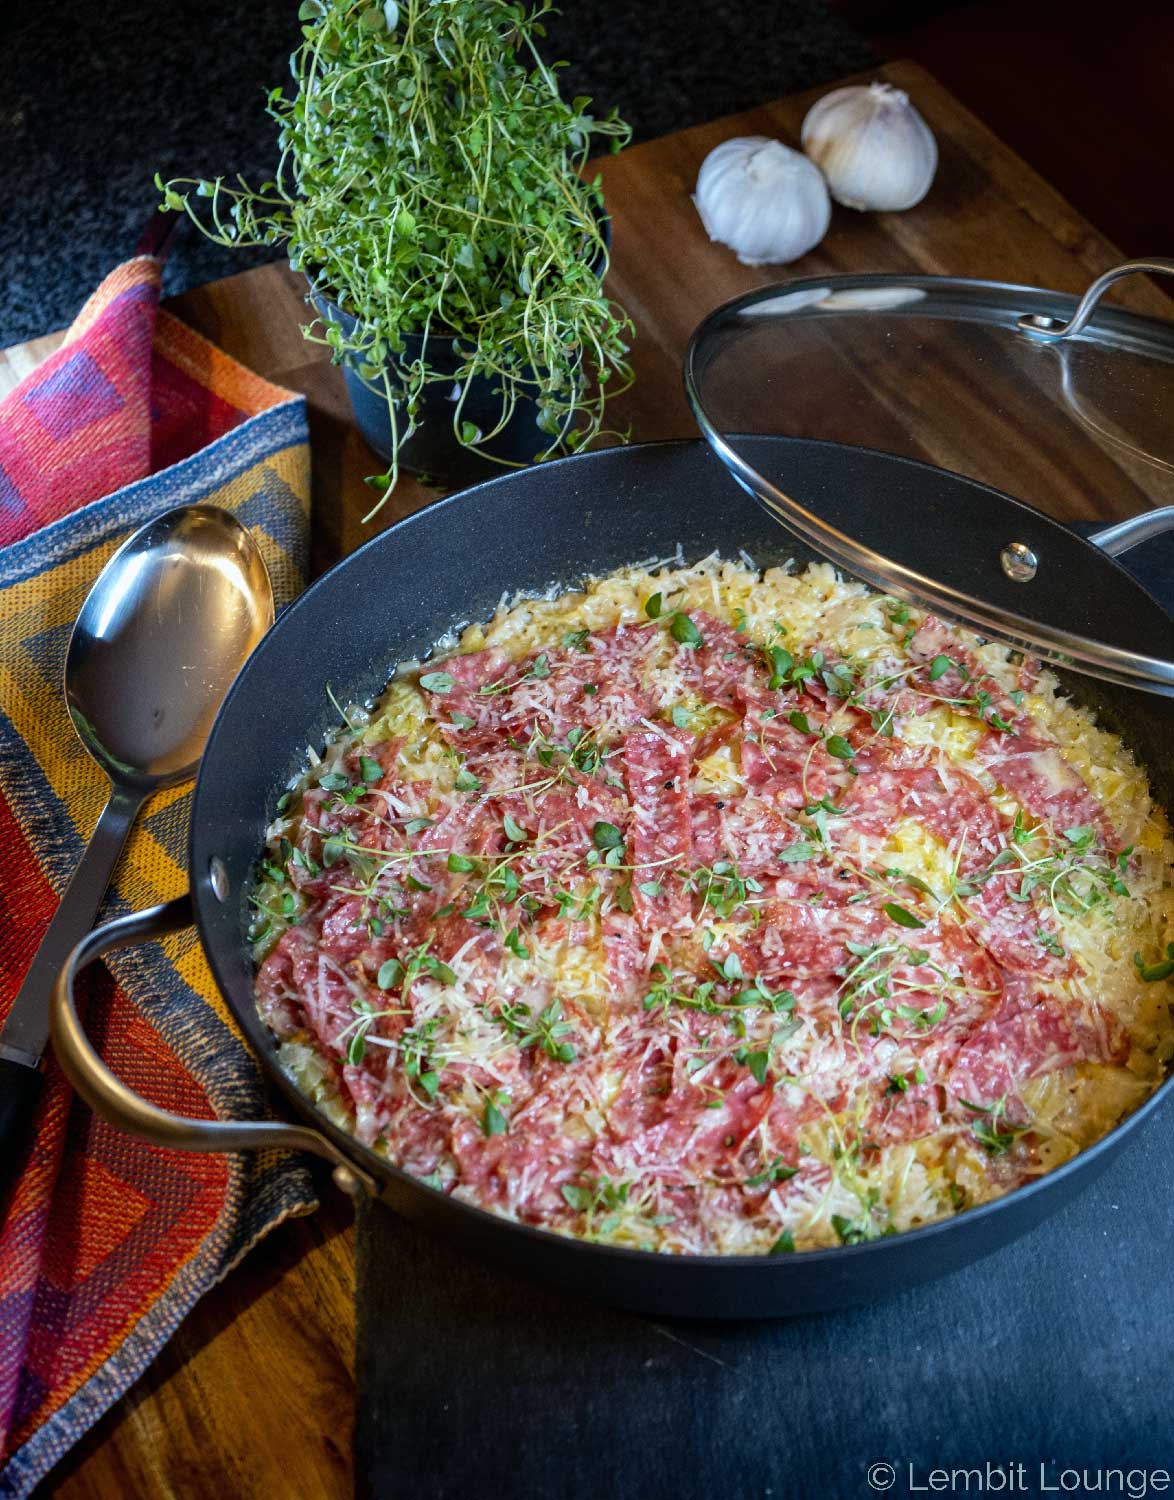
(434, 449)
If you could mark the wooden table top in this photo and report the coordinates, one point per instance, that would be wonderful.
(257, 1386)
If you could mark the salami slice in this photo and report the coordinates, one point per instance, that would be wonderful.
(1041, 780)
(1021, 1041)
(656, 770)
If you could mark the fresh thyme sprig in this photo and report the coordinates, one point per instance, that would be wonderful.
(431, 182)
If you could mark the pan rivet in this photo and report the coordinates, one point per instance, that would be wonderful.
(1019, 562)
(218, 878)
(345, 1179)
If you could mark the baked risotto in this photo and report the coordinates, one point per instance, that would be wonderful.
(708, 910)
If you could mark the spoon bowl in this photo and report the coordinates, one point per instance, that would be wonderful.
(166, 627)
(161, 635)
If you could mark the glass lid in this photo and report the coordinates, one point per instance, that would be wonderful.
(1044, 406)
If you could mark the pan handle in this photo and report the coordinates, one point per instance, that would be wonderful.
(1053, 328)
(1120, 537)
(121, 1107)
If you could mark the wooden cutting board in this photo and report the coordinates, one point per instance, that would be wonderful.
(254, 1395)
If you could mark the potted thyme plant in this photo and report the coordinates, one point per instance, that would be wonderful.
(431, 188)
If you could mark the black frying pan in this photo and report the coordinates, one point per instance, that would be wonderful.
(449, 565)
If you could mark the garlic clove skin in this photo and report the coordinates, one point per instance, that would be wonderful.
(872, 146)
(769, 204)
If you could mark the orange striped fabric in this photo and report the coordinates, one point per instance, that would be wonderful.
(105, 1243)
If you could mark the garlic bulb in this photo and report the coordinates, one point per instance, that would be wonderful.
(768, 203)
(872, 146)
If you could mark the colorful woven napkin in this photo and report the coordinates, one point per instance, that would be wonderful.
(105, 1242)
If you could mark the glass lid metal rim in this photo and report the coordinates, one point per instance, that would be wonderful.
(1083, 653)
(1129, 331)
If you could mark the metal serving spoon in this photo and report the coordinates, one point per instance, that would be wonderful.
(159, 639)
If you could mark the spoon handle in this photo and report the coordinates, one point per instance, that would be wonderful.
(26, 1030)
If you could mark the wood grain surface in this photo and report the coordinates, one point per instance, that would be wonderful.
(254, 1396)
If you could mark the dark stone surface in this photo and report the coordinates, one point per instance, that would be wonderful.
(95, 98)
